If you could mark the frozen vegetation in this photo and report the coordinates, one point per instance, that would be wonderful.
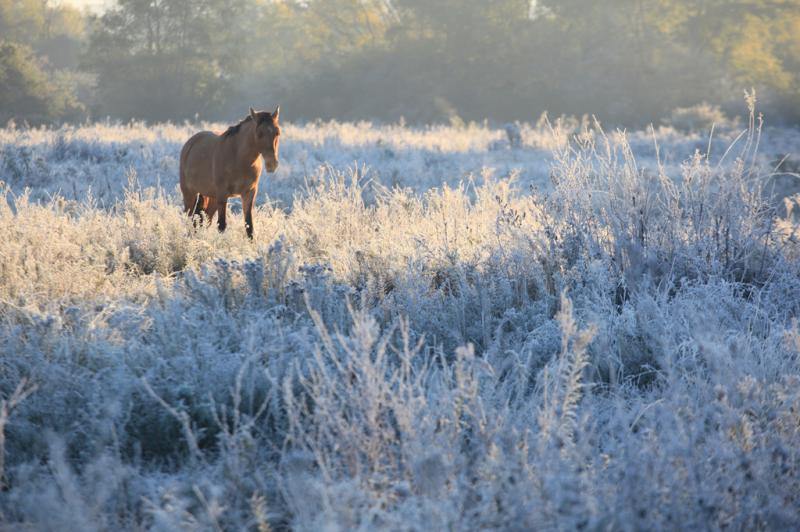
(448, 328)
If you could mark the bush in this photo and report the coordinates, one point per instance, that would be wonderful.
(700, 118)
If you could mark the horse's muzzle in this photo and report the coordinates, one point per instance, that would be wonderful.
(271, 167)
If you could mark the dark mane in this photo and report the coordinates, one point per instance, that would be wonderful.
(233, 130)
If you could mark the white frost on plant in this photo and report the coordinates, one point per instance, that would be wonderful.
(393, 352)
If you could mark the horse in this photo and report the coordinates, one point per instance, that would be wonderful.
(215, 167)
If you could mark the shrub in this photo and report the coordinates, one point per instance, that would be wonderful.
(700, 118)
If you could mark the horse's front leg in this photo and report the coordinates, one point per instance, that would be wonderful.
(248, 198)
(222, 207)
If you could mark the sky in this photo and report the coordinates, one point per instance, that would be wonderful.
(94, 5)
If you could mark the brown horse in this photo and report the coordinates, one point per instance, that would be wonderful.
(215, 167)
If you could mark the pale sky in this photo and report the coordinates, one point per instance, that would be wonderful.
(98, 5)
(94, 5)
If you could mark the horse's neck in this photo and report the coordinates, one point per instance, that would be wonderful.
(245, 145)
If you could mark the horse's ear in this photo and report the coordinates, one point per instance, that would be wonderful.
(277, 113)
(253, 115)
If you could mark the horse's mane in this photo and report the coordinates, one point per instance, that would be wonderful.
(233, 130)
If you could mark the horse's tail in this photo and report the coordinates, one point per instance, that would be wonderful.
(197, 202)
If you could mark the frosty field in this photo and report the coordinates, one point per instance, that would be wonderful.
(432, 330)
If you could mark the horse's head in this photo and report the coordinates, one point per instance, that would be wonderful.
(267, 133)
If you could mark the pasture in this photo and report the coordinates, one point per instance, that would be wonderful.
(432, 329)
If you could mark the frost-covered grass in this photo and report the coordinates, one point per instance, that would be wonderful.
(417, 338)
(101, 158)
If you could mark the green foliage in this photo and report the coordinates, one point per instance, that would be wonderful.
(28, 92)
(630, 62)
(158, 60)
(54, 31)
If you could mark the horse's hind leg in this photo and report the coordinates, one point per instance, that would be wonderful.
(210, 209)
(189, 200)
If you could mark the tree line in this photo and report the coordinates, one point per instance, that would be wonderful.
(628, 62)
